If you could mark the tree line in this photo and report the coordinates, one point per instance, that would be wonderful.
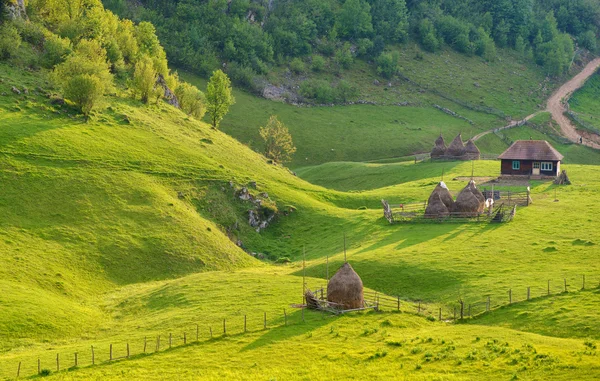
(250, 36)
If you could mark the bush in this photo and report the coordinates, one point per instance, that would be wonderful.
(318, 90)
(31, 32)
(242, 75)
(343, 57)
(84, 90)
(10, 41)
(364, 47)
(297, 66)
(56, 50)
(588, 41)
(427, 35)
(387, 64)
(191, 100)
(144, 80)
(318, 63)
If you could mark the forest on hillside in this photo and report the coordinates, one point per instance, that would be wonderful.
(251, 36)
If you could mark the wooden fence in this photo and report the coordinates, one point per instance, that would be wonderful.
(415, 213)
(53, 361)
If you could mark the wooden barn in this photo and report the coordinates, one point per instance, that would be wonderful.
(534, 158)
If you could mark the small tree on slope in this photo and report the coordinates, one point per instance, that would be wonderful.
(278, 141)
(218, 97)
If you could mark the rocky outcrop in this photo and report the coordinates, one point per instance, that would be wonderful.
(17, 10)
(169, 95)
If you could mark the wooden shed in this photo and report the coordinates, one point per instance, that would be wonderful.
(534, 158)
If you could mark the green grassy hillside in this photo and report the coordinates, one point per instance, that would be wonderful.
(484, 93)
(584, 104)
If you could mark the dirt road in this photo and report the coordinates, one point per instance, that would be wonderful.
(557, 108)
(557, 104)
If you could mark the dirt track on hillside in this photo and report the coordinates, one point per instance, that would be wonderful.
(557, 108)
(557, 104)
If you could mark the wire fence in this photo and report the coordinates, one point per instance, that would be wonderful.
(70, 358)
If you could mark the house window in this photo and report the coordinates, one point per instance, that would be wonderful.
(516, 165)
(546, 166)
(536, 165)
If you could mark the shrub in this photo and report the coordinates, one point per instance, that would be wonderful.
(317, 90)
(56, 50)
(242, 75)
(364, 47)
(10, 41)
(588, 40)
(387, 64)
(191, 100)
(297, 66)
(144, 80)
(278, 143)
(343, 57)
(318, 63)
(84, 90)
(345, 91)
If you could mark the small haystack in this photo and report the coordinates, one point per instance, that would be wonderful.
(440, 147)
(436, 207)
(562, 179)
(456, 148)
(345, 289)
(470, 201)
(471, 151)
(444, 194)
(312, 301)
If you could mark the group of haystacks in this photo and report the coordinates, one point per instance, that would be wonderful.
(470, 202)
(457, 150)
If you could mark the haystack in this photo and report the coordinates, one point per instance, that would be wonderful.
(345, 289)
(436, 207)
(471, 151)
(470, 201)
(444, 194)
(562, 179)
(456, 148)
(440, 147)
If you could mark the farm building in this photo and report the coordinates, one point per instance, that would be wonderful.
(534, 158)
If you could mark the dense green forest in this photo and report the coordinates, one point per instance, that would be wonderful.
(251, 36)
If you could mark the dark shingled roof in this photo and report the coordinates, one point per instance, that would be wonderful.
(531, 150)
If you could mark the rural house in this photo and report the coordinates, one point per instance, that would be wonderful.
(534, 158)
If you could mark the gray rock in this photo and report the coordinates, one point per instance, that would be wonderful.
(16, 91)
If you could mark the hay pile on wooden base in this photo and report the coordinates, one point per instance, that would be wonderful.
(456, 148)
(345, 289)
(436, 207)
(470, 201)
(471, 151)
(440, 202)
(440, 147)
(562, 179)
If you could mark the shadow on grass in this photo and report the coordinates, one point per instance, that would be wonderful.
(296, 327)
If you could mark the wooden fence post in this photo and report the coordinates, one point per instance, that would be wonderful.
(211, 332)
(184, 338)
(398, 303)
(76, 359)
(170, 339)
(39, 367)
(510, 296)
(245, 323)
(285, 316)
(454, 313)
(197, 333)
(548, 287)
(528, 293)
(440, 316)
(583, 285)
(94, 356)
(145, 342)
(19, 370)
(158, 343)
(302, 314)
(265, 320)
(469, 310)
(462, 310)
(128, 350)
(111, 352)
(224, 327)
(57, 363)
(419, 308)
(565, 284)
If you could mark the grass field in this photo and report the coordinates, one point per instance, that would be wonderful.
(484, 93)
(117, 229)
(584, 103)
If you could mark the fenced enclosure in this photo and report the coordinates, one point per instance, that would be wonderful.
(416, 213)
(508, 197)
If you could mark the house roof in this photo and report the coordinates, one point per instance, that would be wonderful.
(531, 150)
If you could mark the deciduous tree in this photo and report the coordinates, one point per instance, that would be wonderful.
(218, 97)
(278, 142)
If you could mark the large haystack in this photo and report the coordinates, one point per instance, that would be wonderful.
(436, 207)
(440, 147)
(471, 151)
(444, 194)
(345, 289)
(470, 201)
(456, 148)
